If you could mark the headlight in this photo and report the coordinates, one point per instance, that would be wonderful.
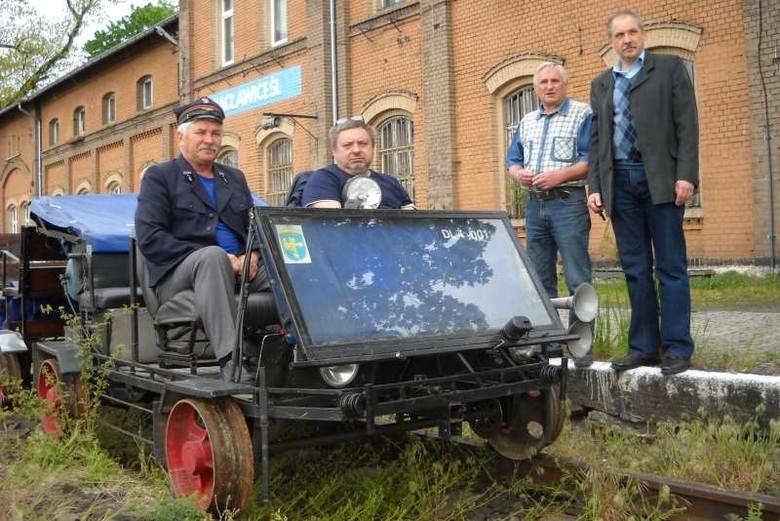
(339, 375)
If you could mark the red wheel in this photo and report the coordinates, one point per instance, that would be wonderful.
(208, 453)
(10, 371)
(522, 435)
(52, 387)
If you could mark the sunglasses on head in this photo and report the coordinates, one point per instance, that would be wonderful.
(341, 121)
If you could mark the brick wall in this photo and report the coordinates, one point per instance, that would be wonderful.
(763, 57)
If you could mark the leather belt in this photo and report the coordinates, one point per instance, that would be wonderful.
(564, 192)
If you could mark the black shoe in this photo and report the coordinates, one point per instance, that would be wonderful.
(226, 372)
(675, 366)
(631, 361)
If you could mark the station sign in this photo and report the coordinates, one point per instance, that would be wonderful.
(263, 91)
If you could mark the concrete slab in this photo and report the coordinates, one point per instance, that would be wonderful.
(644, 394)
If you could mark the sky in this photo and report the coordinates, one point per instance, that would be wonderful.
(114, 10)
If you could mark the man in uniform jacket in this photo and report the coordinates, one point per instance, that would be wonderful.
(643, 168)
(191, 223)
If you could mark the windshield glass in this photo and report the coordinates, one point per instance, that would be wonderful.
(366, 278)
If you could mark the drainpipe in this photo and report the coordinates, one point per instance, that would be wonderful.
(334, 77)
(768, 138)
(38, 159)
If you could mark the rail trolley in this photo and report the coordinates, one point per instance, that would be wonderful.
(377, 321)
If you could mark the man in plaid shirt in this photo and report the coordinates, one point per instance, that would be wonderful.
(549, 157)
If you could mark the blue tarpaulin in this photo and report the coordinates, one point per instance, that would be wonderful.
(103, 221)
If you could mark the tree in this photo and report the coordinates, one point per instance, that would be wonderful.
(34, 47)
(140, 18)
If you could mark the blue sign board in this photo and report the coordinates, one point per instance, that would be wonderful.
(263, 91)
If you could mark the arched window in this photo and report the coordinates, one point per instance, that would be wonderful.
(13, 219)
(26, 213)
(279, 171)
(79, 121)
(228, 156)
(144, 93)
(395, 148)
(54, 132)
(114, 187)
(517, 104)
(109, 108)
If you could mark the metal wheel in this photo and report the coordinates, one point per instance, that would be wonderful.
(208, 453)
(521, 434)
(10, 370)
(61, 395)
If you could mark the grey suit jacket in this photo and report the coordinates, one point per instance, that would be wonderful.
(664, 109)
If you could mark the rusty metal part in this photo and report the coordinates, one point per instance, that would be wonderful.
(208, 453)
(525, 430)
(703, 502)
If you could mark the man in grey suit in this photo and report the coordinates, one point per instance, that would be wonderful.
(643, 167)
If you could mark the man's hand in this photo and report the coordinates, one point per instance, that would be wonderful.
(596, 205)
(254, 263)
(235, 262)
(522, 175)
(683, 192)
(547, 180)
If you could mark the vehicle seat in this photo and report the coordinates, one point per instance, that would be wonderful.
(179, 328)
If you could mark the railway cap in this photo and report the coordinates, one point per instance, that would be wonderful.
(201, 108)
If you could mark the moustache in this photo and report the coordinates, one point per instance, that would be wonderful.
(207, 149)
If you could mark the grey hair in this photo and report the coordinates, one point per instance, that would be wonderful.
(621, 14)
(350, 123)
(182, 128)
(550, 65)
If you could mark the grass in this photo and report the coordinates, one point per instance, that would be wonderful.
(77, 476)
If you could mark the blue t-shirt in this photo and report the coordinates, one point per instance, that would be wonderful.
(327, 184)
(226, 238)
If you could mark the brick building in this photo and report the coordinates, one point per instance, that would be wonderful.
(444, 81)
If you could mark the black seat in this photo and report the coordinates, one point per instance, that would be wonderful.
(101, 283)
(295, 195)
(179, 328)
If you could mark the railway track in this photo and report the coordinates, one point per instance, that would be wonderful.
(701, 502)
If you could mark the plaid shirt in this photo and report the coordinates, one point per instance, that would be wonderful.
(544, 142)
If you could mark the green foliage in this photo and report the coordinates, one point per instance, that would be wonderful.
(140, 19)
(34, 48)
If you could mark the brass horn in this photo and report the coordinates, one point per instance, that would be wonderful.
(581, 347)
(584, 302)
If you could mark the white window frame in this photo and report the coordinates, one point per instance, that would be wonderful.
(528, 102)
(395, 149)
(54, 132)
(279, 170)
(109, 108)
(278, 18)
(79, 121)
(13, 218)
(226, 32)
(145, 92)
(387, 4)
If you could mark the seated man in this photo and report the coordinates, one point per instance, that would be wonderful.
(191, 223)
(352, 143)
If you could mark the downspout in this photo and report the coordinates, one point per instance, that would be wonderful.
(334, 77)
(768, 138)
(38, 159)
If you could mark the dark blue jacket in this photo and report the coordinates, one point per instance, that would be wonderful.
(175, 217)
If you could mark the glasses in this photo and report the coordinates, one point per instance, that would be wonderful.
(341, 121)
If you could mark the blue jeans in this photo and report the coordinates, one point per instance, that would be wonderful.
(559, 225)
(642, 228)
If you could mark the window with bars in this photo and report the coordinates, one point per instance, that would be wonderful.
(278, 21)
(395, 148)
(144, 93)
(516, 105)
(226, 32)
(228, 157)
(54, 132)
(79, 121)
(279, 171)
(109, 108)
